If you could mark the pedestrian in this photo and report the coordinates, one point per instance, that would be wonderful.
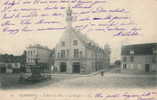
(102, 73)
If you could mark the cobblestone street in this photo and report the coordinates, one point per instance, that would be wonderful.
(109, 80)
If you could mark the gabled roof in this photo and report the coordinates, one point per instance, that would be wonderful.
(82, 37)
(139, 49)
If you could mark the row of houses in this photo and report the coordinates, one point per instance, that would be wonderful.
(12, 64)
(74, 53)
(137, 58)
(10, 67)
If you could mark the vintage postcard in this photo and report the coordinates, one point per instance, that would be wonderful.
(78, 50)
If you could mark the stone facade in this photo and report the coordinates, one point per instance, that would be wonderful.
(140, 58)
(38, 53)
(76, 53)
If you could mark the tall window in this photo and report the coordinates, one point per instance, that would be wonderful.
(9, 66)
(63, 43)
(62, 53)
(34, 52)
(31, 53)
(124, 59)
(154, 58)
(58, 55)
(75, 42)
(76, 53)
(28, 52)
(67, 52)
(28, 60)
(132, 58)
(80, 53)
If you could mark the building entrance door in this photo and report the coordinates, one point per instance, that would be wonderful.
(147, 68)
(76, 67)
(63, 67)
(3, 69)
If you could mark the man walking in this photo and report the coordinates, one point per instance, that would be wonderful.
(102, 73)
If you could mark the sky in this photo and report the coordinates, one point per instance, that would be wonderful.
(142, 12)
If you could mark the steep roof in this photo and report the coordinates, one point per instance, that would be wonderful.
(139, 49)
(87, 42)
(82, 37)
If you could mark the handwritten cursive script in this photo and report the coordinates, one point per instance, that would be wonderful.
(142, 96)
(41, 15)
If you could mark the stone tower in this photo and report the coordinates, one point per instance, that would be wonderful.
(69, 17)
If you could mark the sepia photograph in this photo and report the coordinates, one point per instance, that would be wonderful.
(78, 50)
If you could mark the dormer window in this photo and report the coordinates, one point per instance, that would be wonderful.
(131, 52)
(75, 42)
(63, 43)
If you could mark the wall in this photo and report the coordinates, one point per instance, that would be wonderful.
(68, 38)
(87, 60)
(42, 54)
(138, 66)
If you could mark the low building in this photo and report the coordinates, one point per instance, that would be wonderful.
(139, 58)
(10, 63)
(76, 53)
(10, 58)
(10, 67)
(37, 54)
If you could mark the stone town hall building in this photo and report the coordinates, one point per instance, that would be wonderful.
(75, 53)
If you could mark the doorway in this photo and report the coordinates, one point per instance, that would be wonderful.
(76, 67)
(147, 68)
(3, 70)
(63, 67)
